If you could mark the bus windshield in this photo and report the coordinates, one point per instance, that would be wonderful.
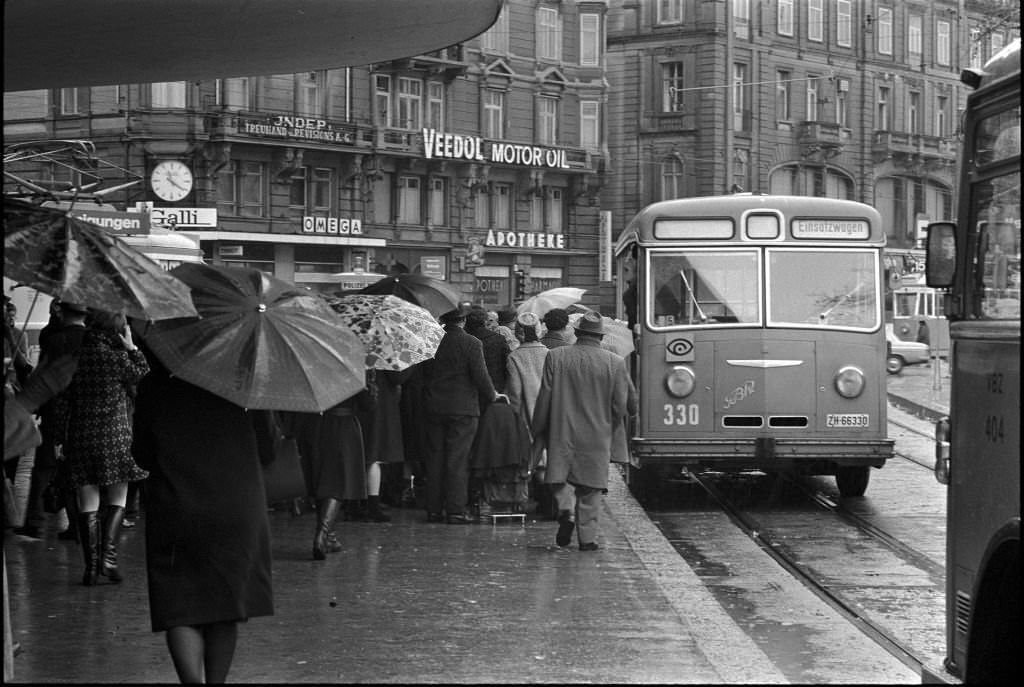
(824, 288)
(830, 289)
(705, 287)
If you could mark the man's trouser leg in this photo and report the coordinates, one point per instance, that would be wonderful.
(588, 506)
(458, 444)
(434, 463)
(565, 498)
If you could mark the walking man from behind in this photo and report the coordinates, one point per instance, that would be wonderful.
(585, 390)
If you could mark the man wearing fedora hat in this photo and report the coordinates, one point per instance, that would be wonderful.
(585, 390)
(455, 381)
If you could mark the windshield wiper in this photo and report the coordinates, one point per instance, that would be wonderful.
(693, 298)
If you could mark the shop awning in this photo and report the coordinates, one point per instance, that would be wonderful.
(77, 43)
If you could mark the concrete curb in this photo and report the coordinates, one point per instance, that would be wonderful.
(733, 654)
(913, 407)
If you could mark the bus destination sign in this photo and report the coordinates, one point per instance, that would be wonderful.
(830, 229)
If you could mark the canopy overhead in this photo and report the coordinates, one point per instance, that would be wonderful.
(78, 43)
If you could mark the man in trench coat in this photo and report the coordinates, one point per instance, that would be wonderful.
(584, 393)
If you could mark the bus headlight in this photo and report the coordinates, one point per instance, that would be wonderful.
(680, 382)
(849, 382)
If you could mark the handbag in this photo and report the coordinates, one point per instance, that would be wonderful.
(283, 477)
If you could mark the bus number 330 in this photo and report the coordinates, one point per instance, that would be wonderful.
(682, 414)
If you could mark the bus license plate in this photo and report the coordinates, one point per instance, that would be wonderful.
(847, 420)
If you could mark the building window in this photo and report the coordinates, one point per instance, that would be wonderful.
(590, 40)
(739, 97)
(942, 42)
(495, 39)
(672, 178)
(382, 198)
(537, 210)
(741, 18)
(234, 93)
(844, 23)
(914, 113)
(494, 113)
(438, 202)
(882, 109)
(241, 189)
(670, 11)
(783, 81)
(976, 49)
(309, 94)
(409, 200)
(482, 208)
(995, 43)
(168, 94)
(816, 20)
(812, 99)
(842, 108)
(884, 25)
(502, 202)
(410, 104)
(785, 17)
(297, 188)
(553, 211)
(741, 168)
(914, 34)
(941, 108)
(435, 105)
(382, 98)
(321, 190)
(68, 101)
(549, 34)
(590, 124)
(672, 87)
(548, 120)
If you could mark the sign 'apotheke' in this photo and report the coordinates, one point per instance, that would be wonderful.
(475, 149)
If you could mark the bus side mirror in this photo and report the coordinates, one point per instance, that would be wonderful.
(940, 258)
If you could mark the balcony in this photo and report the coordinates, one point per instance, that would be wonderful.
(822, 134)
(447, 63)
(286, 128)
(912, 149)
(165, 124)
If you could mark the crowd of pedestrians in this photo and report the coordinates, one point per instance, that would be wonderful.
(512, 408)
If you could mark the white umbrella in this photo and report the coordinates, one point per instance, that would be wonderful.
(559, 297)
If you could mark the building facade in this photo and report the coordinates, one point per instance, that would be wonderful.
(855, 99)
(480, 164)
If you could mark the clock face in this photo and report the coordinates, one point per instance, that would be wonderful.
(171, 180)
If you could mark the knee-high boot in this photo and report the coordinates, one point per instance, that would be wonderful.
(324, 541)
(89, 538)
(110, 533)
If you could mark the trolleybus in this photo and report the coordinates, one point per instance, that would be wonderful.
(978, 452)
(759, 337)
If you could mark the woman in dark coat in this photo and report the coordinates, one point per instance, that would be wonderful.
(207, 534)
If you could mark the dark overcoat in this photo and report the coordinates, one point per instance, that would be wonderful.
(457, 375)
(584, 391)
(207, 534)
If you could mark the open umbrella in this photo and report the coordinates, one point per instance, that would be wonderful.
(259, 342)
(617, 337)
(432, 294)
(79, 262)
(397, 334)
(558, 297)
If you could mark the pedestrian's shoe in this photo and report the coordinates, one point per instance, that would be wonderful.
(435, 517)
(565, 529)
(325, 541)
(589, 546)
(374, 512)
(110, 532)
(89, 536)
(460, 519)
(127, 523)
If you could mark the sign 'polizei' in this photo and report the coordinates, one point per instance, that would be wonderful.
(439, 145)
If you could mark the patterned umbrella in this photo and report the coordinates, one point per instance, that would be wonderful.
(396, 333)
(558, 297)
(259, 342)
(78, 262)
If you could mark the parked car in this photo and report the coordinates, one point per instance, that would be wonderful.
(900, 353)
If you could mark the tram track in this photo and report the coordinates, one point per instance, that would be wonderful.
(773, 546)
